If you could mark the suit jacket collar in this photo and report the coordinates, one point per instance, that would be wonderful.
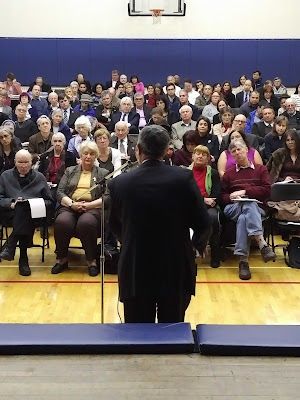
(151, 163)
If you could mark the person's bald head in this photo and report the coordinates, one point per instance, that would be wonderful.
(121, 129)
(239, 122)
(23, 161)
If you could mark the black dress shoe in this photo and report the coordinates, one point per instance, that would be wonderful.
(24, 268)
(93, 270)
(8, 253)
(58, 268)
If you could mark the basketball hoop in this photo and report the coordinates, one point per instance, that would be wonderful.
(156, 15)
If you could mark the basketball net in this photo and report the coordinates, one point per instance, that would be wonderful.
(156, 15)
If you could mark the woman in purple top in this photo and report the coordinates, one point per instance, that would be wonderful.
(226, 161)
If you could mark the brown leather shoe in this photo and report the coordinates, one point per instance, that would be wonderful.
(244, 271)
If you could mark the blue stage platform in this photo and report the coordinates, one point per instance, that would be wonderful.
(96, 338)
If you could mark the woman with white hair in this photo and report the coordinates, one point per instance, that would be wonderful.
(83, 128)
(58, 124)
(79, 213)
(75, 97)
(54, 163)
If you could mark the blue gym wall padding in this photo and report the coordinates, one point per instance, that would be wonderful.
(60, 60)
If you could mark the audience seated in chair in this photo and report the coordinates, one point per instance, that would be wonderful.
(183, 157)
(24, 128)
(109, 158)
(205, 98)
(252, 180)
(38, 102)
(85, 107)
(255, 116)
(84, 128)
(3, 107)
(184, 101)
(31, 110)
(162, 102)
(79, 211)
(243, 96)
(274, 139)
(203, 127)
(16, 186)
(221, 104)
(53, 163)
(45, 88)
(179, 128)
(8, 149)
(262, 128)
(208, 182)
(127, 115)
(226, 91)
(251, 105)
(227, 161)
(104, 111)
(211, 109)
(41, 141)
(292, 114)
(124, 142)
(284, 165)
(142, 109)
(225, 126)
(69, 115)
(58, 125)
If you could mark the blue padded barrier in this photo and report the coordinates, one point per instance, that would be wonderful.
(60, 60)
(249, 340)
(96, 338)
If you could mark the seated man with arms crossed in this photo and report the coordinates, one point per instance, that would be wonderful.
(246, 179)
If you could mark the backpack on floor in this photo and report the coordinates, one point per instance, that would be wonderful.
(112, 255)
(292, 253)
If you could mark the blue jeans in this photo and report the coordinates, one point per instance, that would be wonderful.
(248, 218)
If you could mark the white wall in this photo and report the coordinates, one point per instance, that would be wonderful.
(205, 19)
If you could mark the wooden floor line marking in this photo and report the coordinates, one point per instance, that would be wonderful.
(198, 282)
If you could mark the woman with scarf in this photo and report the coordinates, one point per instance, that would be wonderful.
(208, 182)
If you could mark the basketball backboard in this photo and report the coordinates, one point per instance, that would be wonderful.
(172, 8)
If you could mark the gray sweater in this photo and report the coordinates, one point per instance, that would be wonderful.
(10, 188)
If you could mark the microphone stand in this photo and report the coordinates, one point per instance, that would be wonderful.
(102, 184)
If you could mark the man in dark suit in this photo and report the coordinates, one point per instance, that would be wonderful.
(251, 105)
(152, 209)
(142, 109)
(115, 79)
(292, 115)
(244, 96)
(126, 114)
(262, 128)
(69, 115)
(184, 101)
(124, 142)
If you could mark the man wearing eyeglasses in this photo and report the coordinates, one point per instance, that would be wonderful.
(239, 124)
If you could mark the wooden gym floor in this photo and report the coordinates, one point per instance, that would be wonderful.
(270, 297)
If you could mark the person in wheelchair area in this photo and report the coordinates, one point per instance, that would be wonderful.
(246, 180)
(208, 181)
(16, 186)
